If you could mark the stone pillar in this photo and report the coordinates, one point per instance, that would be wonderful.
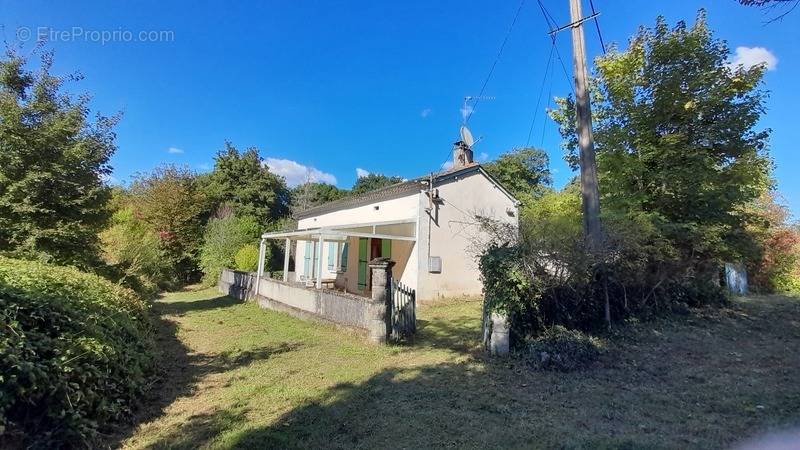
(379, 316)
(496, 336)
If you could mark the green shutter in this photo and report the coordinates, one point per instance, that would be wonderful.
(386, 248)
(362, 262)
(343, 262)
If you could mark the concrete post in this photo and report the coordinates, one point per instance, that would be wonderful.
(496, 336)
(262, 249)
(286, 251)
(379, 319)
(318, 255)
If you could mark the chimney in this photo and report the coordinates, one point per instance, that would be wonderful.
(462, 155)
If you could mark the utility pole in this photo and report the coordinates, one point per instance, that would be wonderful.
(590, 193)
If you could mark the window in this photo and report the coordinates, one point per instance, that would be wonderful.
(332, 256)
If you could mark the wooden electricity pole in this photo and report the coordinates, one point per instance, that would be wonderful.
(590, 193)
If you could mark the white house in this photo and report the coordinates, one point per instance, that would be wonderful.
(427, 225)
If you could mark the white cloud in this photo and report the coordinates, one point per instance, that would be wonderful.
(425, 113)
(466, 111)
(752, 56)
(175, 151)
(296, 173)
(447, 165)
(483, 156)
(361, 173)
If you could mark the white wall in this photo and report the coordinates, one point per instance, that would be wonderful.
(402, 208)
(454, 235)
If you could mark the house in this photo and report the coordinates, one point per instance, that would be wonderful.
(427, 226)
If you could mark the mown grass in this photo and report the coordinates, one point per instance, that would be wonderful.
(242, 377)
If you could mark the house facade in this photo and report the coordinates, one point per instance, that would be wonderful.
(428, 226)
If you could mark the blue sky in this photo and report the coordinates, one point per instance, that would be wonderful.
(332, 87)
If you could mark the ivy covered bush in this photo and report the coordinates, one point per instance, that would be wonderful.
(76, 351)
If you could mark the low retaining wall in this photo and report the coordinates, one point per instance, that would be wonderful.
(341, 308)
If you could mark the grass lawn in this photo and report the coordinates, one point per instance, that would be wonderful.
(241, 377)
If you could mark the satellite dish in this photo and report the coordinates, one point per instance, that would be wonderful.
(466, 136)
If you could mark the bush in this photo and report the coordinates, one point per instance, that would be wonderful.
(76, 351)
(558, 348)
(133, 251)
(548, 275)
(222, 239)
(246, 258)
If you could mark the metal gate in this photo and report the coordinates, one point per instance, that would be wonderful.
(404, 310)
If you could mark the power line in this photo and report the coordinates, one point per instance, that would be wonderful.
(549, 102)
(496, 59)
(597, 25)
(491, 71)
(539, 99)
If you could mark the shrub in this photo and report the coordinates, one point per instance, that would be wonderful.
(558, 348)
(223, 237)
(133, 251)
(76, 351)
(246, 258)
(549, 276)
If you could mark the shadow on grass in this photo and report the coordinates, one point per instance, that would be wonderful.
(460, 334)
(179, 369)
(703, 395)
(183, 307)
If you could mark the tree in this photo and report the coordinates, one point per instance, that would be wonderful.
(310, 194)
(524, 171)
(786, 6)
(241, 180)
(222, 238)
(53, 161)
(676, 138)
(373, 182)
(170, 202)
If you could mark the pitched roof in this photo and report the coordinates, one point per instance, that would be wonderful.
(395, 191)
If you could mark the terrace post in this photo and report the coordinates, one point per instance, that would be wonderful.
(286, 259)
(379, 312)
(262, 249)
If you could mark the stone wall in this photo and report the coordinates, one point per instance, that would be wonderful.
(349, 310)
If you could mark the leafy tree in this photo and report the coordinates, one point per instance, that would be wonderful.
(524, 171)
(170, 202)
(308, 195)
(783, 7)
(241, 180)
(777, 269)
(134, 250)
(222, 238)
(676, 138)
(53, 160)
(373, 182)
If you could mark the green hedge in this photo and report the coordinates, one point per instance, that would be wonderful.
(75, 353)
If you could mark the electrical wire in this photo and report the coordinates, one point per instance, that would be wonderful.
(539, 99)
(489, 75)
(597, 25)
(496, 59)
